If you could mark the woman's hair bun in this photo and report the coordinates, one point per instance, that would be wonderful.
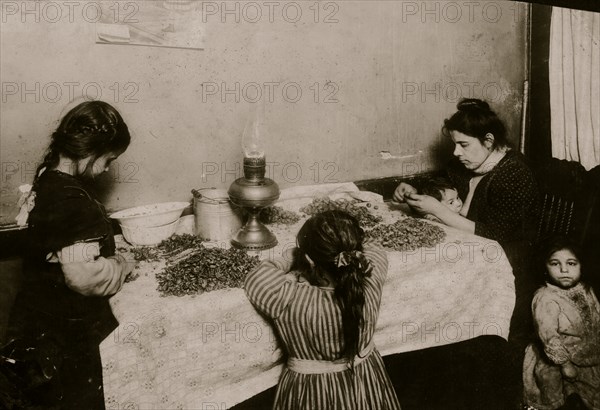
(468, 104)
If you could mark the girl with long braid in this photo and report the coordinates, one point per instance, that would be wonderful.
(324, 303)
(70, 264)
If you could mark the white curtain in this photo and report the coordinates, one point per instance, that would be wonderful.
(575, 85)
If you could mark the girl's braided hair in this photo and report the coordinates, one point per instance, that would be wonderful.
(333, 240)
(91, 129)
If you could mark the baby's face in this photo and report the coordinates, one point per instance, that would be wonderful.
(451, 200)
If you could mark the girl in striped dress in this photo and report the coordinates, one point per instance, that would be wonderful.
(324, 303)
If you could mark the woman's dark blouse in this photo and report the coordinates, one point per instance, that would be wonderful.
(65, 213)
(504, 204)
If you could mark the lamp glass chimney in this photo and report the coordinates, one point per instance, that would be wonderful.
(252, 136)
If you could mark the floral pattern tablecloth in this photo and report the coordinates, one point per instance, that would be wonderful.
(214, 350)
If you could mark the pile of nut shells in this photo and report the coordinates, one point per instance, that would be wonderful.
(365, 218)
(278, 215)
(407, 235)
(167, 248)
(205, 270)
(193, 268)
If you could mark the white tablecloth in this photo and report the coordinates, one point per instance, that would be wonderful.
(214, 350)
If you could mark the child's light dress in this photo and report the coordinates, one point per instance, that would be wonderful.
(568, 325)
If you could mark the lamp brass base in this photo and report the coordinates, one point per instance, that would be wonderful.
(253, 193)
(254, 236)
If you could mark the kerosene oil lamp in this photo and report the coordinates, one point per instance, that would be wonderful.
(253, 192)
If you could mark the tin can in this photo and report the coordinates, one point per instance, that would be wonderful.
(216, 219)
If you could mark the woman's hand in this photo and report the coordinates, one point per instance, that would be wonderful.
(423, 204)
(402, 191)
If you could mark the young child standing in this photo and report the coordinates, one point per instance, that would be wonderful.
(566, 313)
(71, 268)
(325, 303)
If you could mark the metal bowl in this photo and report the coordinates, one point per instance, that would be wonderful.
(153, 215)
(148, 235)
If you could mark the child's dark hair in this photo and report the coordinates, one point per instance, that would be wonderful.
(475, 119)
(547, 246)
(333, 241)
(435, 187)
(91, 129)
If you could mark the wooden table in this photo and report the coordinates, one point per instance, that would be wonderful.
(212, 351)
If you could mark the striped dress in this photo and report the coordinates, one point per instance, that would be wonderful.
(309, 322)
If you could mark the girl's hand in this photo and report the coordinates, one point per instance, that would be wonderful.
(423, 204)
(127, 261)
(402, 191)
(568, 370)
(289, 254)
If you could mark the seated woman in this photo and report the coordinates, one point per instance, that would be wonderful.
(496, 186)
(500, 199)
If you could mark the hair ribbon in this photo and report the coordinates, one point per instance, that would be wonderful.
(343, 258)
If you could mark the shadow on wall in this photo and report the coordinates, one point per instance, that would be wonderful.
(441, 152)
